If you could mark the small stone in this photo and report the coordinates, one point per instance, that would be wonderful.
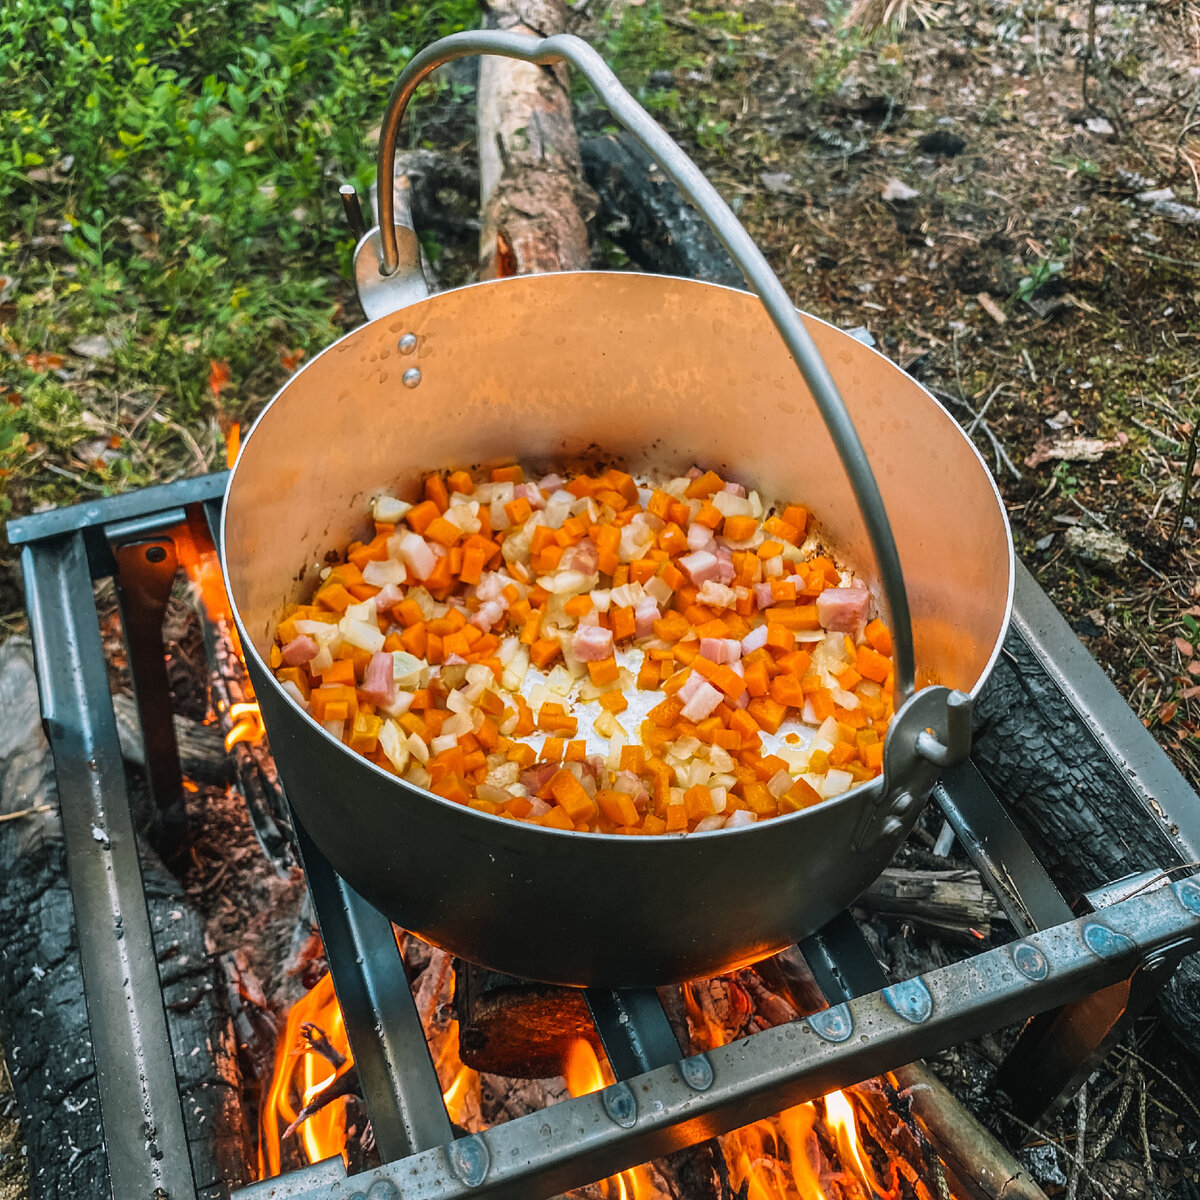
(897, 192)
(1099, 125)
(1097, 546)
(1154, 196)
(92, 345)
(775, 181)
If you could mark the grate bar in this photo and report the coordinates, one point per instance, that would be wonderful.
(580, 1140)
(1000, 853)
(144, 1136)
(633, 1029)
(399, 1082)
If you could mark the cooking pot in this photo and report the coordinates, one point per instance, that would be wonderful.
(657, 374)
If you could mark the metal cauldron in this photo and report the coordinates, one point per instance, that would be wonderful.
(658, 374)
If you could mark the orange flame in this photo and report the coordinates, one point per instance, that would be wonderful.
(757, 1152)
(585, 1074)
(301, 1072)
(247, 724)
(233, 441)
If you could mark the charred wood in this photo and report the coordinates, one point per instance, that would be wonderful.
(641, 211)
(516, 1028)
(1070, 800)
(42, 1006)
(949, 903)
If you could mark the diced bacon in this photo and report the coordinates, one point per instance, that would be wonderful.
(299, 650)
(530, 492)
(582, 557)
(701, 565)
(453, 660)
(734, 489)
(644, 617)
(725, 568)
(488, 615)
(756, 639)
(700, 537)
(721, 650)
(703, 702)
(716, 594)
(417, 554)
(378, 681)
(691, 685)
(694, 473)
(743, 701)
(591, 643)
(389, 594)
(843, 609)
(550, 483)
(536, 777)
(763, 596)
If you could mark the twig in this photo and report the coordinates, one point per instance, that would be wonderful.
(1002, 457)
(1080, 1135)
(1109, 1130)
(1185, 487)
(25, 812)
(1041, 1133)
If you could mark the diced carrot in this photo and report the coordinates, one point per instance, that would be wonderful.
(767, 713)
(677, 818)
(617, 807)
(740, 529)
(758, 799)
(797, 515)
(879, 636)
(667, 712)
(699, 802)
(509, 474)
(604, 671)
(704, 485)
(800, 795)
(334, 597)
(518, 510)
(870, 664)
(571, 796)
(544, 651)
(872, 756)
(822, 703)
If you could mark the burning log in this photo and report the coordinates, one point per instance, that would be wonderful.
(201, 747)
(534, 202)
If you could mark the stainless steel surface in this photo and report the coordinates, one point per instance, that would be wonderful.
(381, 294)
(144, 1135)
(550, 368)
(633, 1029)
(1001, 855)
(391, 1055)
(579, 1140)
(352, 207)
(690, 180)
(1143, 762)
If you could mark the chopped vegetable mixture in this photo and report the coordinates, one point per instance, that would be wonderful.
(490, 638)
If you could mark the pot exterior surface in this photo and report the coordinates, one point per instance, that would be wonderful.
(657, 374)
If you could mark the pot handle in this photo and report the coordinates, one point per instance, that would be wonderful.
(749, 259)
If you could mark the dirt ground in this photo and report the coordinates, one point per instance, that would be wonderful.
(1010, 240)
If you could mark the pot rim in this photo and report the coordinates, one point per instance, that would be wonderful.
(607, 838)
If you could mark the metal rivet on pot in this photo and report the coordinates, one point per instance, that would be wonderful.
(411, 377)
(697, 1072)
(903, 803)
(1188, 894)
(890, 827)
(407, 344)
(620, 1104)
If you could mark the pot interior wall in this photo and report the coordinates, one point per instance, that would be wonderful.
(654, 372)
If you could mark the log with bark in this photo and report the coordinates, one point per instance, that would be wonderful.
(534, 201)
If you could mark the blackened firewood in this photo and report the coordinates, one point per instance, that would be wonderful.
(645, 214)
(42, 1006)
(516, 1028)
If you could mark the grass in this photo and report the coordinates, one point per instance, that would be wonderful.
(172, 243)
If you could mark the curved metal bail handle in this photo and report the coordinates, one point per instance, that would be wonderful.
(749, 259)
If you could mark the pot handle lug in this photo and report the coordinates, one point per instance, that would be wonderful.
(692, 183)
